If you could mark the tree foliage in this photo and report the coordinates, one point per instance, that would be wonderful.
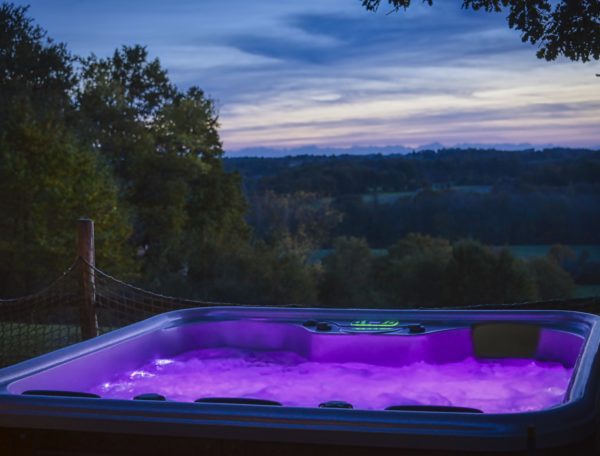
(114, 134)
(47, 181)
(569, 28)
(497, 197)
(300, 222)
(412, 273)
(347, 275)
(246, 272)
(552, 281)
(165, 149)
(33, 68)
(48, 176)
(477, 275)
(422, 271)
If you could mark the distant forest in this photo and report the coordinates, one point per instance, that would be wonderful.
(399, 230)
(527, 197)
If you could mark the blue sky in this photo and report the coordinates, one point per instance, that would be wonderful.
(298, 72)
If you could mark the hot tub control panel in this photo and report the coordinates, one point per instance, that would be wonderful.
(365, 326)
(370, 325)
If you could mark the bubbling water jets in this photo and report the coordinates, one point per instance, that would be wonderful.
(500, 386)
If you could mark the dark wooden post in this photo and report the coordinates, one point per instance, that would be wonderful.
(86, 252)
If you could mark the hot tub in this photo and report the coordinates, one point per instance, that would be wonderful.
(315, 380)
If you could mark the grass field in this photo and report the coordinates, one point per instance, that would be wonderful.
(473, 188)
(587, 291)
(530, 251)
(392, 197)
(386, 197)
(525, 251)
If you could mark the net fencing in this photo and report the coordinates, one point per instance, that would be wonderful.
(52, 319)
(42, 322)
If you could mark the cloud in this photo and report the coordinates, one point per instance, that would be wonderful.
(330, 73)
(285, 49)
(410, 38)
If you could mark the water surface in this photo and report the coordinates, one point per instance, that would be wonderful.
(492, 386)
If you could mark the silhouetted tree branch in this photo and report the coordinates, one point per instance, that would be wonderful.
(570, 29)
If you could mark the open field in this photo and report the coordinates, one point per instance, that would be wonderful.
(524, 251)
(530, 251)
(386, 197)
(587, 291)
(392, 197)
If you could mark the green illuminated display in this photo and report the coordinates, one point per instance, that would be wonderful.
(374, 324)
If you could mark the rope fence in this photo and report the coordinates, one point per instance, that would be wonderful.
(51, 319)
(85, 302)
(55, 317)
(41, 322)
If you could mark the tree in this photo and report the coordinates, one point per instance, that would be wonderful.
(562, 255)
(299, 222)
(33, 68)
(570, 29)
(48, 179)
(48, 176)
(282, 278)
(552, 281)
(412, 273)
(512, 280)
(347, 275)
(251, 273)
(164, 147)
(477, 275)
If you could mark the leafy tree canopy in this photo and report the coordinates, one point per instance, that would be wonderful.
(93, 139)
(570, 28)
(297, 222)
(347, 275)
(48, 179)
(32, 66)
(165, 149)
(477, 275)
(552, 281)
(48, 176)
(412, 273)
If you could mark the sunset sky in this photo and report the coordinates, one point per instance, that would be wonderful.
(292, 73)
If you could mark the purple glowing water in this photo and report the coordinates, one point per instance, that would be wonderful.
(495, 387)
